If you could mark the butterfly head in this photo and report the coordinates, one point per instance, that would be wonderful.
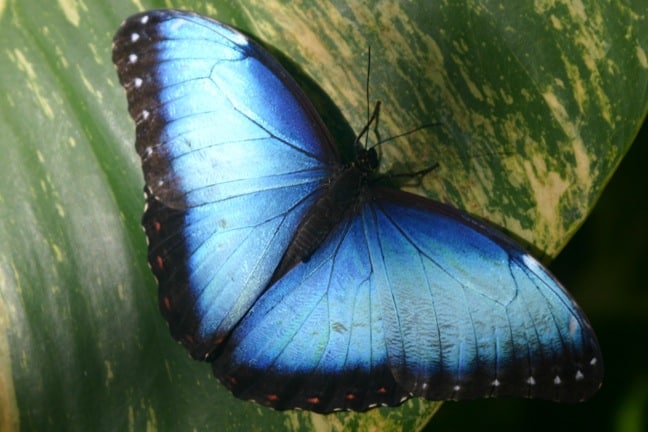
(367, 160)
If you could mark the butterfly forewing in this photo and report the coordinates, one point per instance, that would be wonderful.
(236, 171)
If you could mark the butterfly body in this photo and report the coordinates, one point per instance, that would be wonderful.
(301, 279)
(340, 197)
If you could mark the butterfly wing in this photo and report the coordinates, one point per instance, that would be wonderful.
(412, 298)
(316, 339)
(468, 313)
(233, 154)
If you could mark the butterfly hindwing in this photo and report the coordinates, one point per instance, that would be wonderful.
(315, 339)
(236, 172)
(468, 313)
(411, 298)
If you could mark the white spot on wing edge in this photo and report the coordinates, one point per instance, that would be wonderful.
(137, 82)
(134, 37)
(557, 380)
(240, 39)
(132, 58)
(530, 262)
(144, 19)
(531, 380)
(579, 376)
(573, 326)
(148, 151)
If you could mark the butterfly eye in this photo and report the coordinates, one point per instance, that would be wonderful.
(367, 160)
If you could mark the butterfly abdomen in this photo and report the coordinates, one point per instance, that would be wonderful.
(338, 197)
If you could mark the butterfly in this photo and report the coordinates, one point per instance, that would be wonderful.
(304, 280)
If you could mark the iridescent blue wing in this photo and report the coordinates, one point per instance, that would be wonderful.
(412, 298)
(233, 154)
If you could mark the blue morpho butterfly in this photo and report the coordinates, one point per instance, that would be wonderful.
(301, 279)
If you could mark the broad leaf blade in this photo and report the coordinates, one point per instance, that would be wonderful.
(537, 108)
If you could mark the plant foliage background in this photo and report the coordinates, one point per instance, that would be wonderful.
(537, 103)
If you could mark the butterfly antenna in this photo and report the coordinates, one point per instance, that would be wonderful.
(409, 132)
(367, 83)
(372, 116)
(373, 119)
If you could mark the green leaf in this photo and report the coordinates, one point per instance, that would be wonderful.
(537, 104)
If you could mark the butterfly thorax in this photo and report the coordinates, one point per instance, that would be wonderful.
(339, 197)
